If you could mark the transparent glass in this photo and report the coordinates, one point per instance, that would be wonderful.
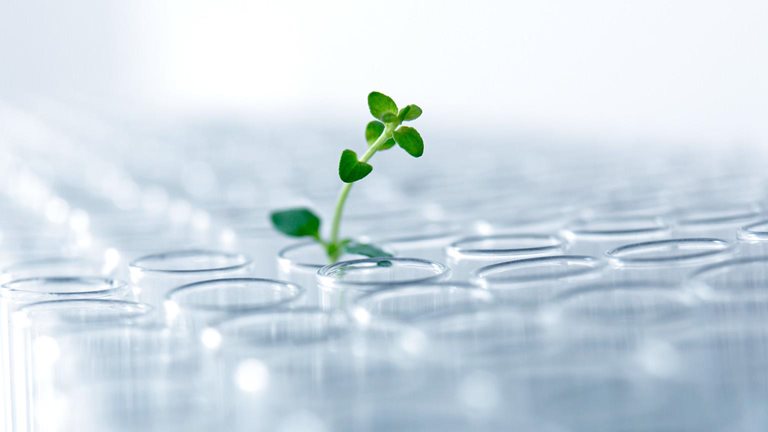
(132, 378)
(299, 263)
(20, 292)
(596, 236)
(153, 276)
(411, 303)
(342, 282)
(427, 245)
(534, 281)
(665, 260)
(280, 366)
(471, 253)
(720, 221)
(196, 306)
(60, 266)
(736, 280)
(753, 239)
(35, 328)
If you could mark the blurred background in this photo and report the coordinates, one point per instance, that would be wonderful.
(683, 71)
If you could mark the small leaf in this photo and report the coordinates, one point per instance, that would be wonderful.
(380, 104)
(296, 222)
(373, 131)
(410, 140)
(365, 249)
(410, 112)
(351, 169)
(388, 144)
(389, 117)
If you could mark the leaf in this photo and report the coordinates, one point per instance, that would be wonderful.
(409, 139)
(389, 117)
(373, 131)
(365, 249)
(380, 104)
(351, 169)
(296, 222)
(410, 112)
(388, 144)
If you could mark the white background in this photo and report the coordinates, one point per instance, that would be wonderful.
(685, 71)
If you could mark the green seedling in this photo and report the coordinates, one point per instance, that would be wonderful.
(381, 134)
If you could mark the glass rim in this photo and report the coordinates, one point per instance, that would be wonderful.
(243, 261)
(700, 274)
(573, 230)
(749, 233)
(113, 285)
(172, 296)
(143, 310)
(283, 261)
(456, 249)
(687, 217)
(358, 304)
(325, 274)
(589, 265)
(615, 258)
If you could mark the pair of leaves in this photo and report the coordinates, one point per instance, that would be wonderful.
(405, 136)
(303, 222)
(385, 109)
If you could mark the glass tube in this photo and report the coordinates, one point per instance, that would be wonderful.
(597, 236)
(738, 282)
(427, 246)
(284, 365)
(153, 276)
(35, 328)
(721, 221)
(59, 266)
(300, 262)
(133, 378)
(665, 260)
(534, 281)
(726, 357)
(753, 239)
(20, 292)
(471, 253)
(342, 282)
(410, 303)
(196, 306)
(611, 324)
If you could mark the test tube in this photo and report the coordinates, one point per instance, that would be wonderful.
(153, 276)
(35, 328)
(299, 264)
(199, 305)
(342, 282)
(532, 282)
(668, 260)
(471, 253)
(20, 292)
(596, 236)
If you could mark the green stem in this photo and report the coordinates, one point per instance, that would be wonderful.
(338, 212)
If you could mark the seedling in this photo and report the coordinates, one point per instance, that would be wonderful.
(381, 134)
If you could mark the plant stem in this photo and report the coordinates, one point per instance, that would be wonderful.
(338, 212)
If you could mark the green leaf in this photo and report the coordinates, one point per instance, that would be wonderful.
(410, 112)
(380, 104)
(409, 139)
(373, 131)
(296, 222)
(351, 169)
(389, 117)
(388, 144)
(365, 249)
